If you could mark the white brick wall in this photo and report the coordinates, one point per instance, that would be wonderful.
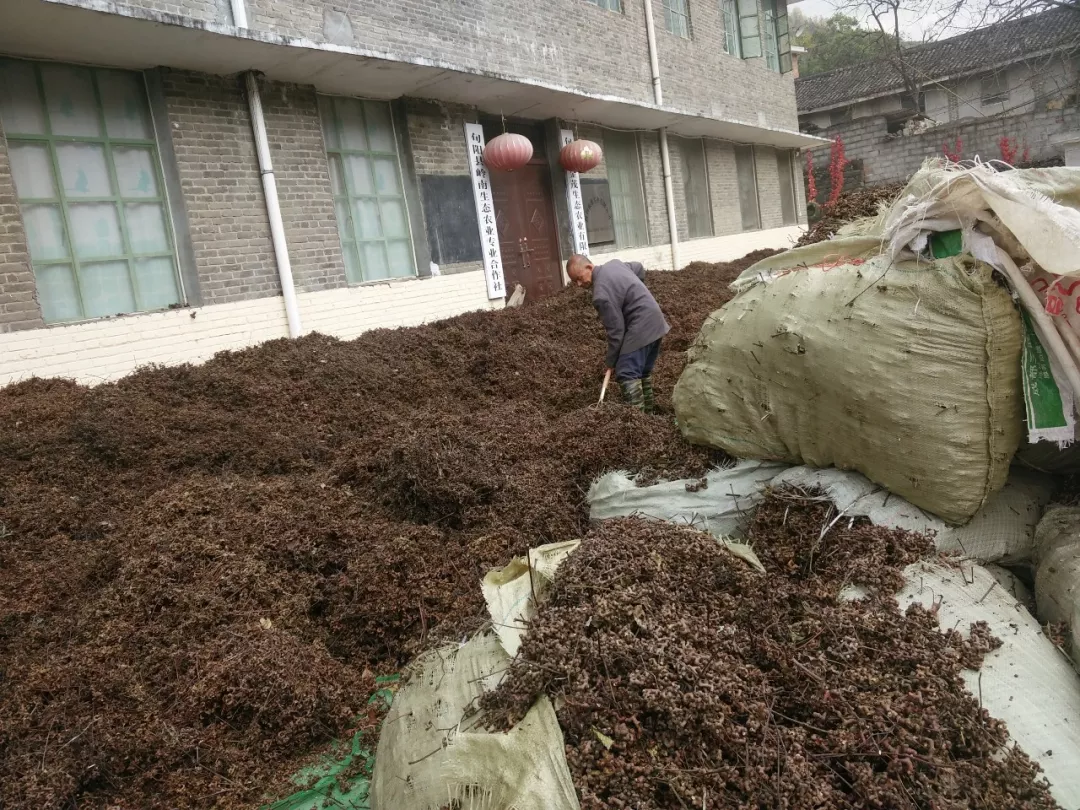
(104, 350)
(715, 249)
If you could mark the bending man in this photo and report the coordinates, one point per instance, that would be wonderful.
(633, 320)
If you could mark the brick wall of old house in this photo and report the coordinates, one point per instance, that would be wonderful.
(885, 158)
(699, 77)
(219, 177)
(307, 202)
(652, 167)
(723, 187)
(18, 304)
(564, 43)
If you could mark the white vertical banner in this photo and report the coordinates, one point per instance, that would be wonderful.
(485, 212)
(578, 233)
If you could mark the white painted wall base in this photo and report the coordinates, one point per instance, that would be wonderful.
(99, 351)
(108, 349)
(714, 249)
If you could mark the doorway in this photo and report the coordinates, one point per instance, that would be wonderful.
(525, 217)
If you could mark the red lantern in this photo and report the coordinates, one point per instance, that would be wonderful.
(580, 156)
(507, 152)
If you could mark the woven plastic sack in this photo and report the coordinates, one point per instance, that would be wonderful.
(433, 749)
(1002, 531)
(834, 356)
(1026, 683)
(721, 503)
(1057, 572)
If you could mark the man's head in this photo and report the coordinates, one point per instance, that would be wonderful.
(580, 270)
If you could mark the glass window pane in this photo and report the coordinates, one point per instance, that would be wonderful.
(45, 232)
(337, 181)
(380, 128)
(95, 230)
(70, 99)
(32, 170)
(373, 260)
(106, 289)
(329, 125)
(747, 176)
(698, 205)
(124, 100)
(21, 112)
(83, 171)
(787, 187)
(341, 208)
(358, 168)
(146, 228)
(157, 283)
(386, 176)
(351, 120)
(366, 220)
(352, 263)
(135, 171)
(400, 258)
(57, 293)
(393, 219)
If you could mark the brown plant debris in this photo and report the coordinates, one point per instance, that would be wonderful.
(724, 688)
(203, 568)
(854, 204)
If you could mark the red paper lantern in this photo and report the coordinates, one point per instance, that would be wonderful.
(507, 152)
(580, 156)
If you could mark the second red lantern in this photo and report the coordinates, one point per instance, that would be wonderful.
(507, 152)
(580, 156)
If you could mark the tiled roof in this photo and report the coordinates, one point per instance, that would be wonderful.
(968, 53)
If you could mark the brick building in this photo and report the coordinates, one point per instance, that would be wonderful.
(179, 177)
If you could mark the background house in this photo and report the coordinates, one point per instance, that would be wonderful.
(134, 222)
(1016, 80)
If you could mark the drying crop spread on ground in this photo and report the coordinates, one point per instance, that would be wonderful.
(202, 568)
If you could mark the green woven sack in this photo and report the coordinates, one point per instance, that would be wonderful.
(833, 357)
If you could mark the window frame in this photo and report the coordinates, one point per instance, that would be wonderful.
(729, 12)
(757, 188)
(608, 5)
(1001, 86)
(681, 13)
(770, 45)
(684, 145)
(787, 156)
(370, 154)
(60, 200)
(638, 171)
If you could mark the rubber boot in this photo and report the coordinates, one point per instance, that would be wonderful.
(632, 393)
(648, 394)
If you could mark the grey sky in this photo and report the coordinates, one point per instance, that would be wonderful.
(914, 25)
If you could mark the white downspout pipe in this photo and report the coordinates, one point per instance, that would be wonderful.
(665, 155)
(269, 184)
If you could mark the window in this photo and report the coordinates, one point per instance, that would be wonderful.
(746, 173)
(89, 184)
(785, 168)
(365, 176)
(677, 17)
(610, 5)
(627, 194)
(772, 48)
(730, 10)
(995, 89)
(749, 28)
(696, 187)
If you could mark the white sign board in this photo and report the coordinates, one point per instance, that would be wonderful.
(579, 236)
(485, 212)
